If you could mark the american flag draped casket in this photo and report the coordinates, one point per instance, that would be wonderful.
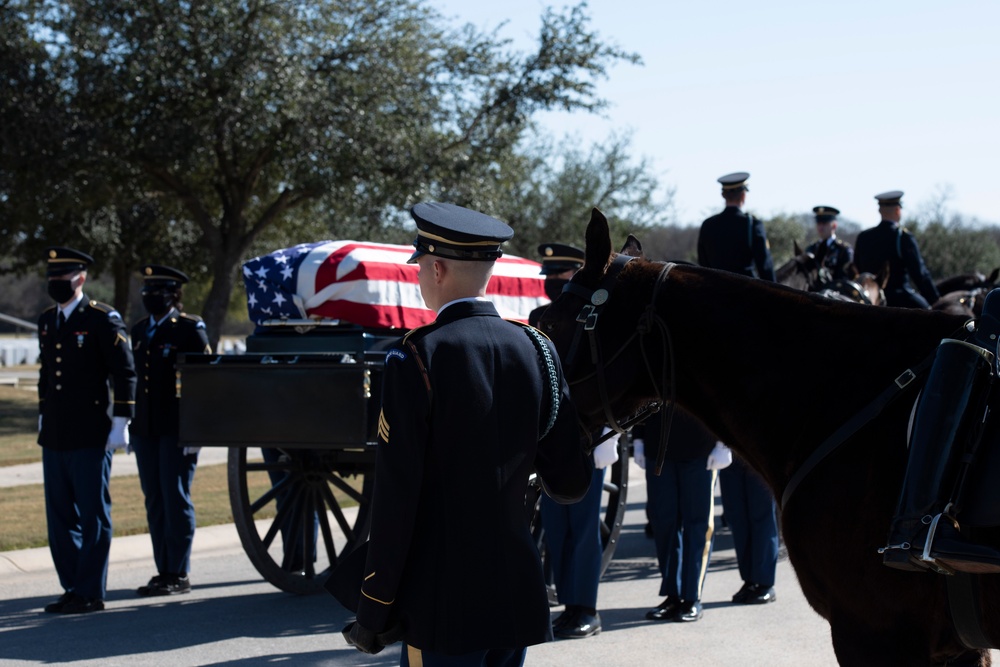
(369, 284)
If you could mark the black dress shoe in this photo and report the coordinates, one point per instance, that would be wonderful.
(760, 594)
(154, 583)
(57, 606)
(664, 610)
(740, 597)
(82, 605)
(172, 584)
(688, 612)
(567, 618)
(584, 625)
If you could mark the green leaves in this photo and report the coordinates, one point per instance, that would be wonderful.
(240, 122)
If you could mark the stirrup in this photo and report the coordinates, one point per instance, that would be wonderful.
(925, 555)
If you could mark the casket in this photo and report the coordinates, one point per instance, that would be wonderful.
(369, 284)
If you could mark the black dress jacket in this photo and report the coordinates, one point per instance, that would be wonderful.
(82, 362)
(888, 242)
(834, 256)
(157, 407)
(451, 556)
(736, 242)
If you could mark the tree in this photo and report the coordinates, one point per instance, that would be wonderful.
(552, 198)
(235, 113)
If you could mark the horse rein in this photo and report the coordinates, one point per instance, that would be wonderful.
(588, 319)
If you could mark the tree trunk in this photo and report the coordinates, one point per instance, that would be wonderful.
(122, 274)
(217, 302)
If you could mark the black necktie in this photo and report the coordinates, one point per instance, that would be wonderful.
(60, 320)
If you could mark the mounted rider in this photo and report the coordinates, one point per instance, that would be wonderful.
(832, 253)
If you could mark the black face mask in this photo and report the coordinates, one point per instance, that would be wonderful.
(157, 303)
(554, 287)
(61, 291)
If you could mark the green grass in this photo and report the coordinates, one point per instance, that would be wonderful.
(23, 518)
(18, 426)
(22, 508)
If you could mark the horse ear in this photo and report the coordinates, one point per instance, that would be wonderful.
(795, 246)
(992, 280)
(883, 276)
(598, 243)
(632, 248)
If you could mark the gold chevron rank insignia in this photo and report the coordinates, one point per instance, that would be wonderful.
(383, 427)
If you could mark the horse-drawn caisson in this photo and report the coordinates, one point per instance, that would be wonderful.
(299, 411)
(732, 351)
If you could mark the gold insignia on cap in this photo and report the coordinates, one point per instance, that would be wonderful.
(53, 254)
(548, 251)
(430, 248)
(149, 271)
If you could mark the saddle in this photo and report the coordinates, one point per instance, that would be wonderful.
(948, 490)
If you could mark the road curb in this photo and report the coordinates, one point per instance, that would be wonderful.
(208, 540)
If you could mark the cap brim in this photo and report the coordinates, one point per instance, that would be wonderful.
(417, 254)
(63, 270)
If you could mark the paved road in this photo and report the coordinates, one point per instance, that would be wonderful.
(234, 618)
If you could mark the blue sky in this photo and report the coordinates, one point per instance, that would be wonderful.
(822, 102)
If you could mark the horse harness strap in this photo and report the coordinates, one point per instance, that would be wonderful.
(588, 317)
(854, 424)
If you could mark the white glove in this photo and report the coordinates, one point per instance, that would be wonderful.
(721, 457)
(606, 453)
(639, 452)
(188, 451)
(118, 438)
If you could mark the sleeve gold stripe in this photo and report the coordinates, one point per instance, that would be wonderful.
(383, 427)
(120, 337)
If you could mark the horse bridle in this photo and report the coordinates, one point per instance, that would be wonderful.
(588, 318)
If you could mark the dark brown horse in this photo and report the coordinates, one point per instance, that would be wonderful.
(802, 271)
(733, 348)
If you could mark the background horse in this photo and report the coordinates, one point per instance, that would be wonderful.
(802, 272)
(733, 348)
(968, 281)
(859, 286)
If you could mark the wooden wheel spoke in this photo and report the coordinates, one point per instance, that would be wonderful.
(308, 485)
(338, 482)
(283, 517)
(338, 514)
(270, 495)
(324, 527)
(305, 541)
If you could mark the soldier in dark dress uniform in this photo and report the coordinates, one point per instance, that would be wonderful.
(733, 240)
(559, 263)
(832, 253)
(166, 471)
(681, 503)
(890, 242)
(85, 360)
(467, 414)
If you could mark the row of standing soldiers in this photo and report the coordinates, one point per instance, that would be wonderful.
(736, 241)
(86, 359)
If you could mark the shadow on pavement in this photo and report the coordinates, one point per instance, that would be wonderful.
(143, 629)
